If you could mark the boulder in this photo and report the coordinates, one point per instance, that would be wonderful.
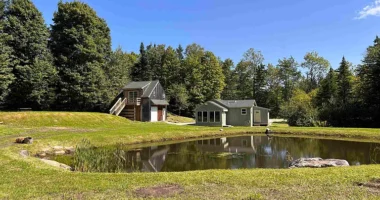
(24, 140)
(56, 164)
(41, 154)
(69, 150)
(318, 163)
(58, 148)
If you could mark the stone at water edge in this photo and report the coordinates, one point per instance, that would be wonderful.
(60, 152)
(58, 148)
(318, 163)
(56, 164)
(69, 150)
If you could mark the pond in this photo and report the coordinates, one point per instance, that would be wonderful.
(217, 153)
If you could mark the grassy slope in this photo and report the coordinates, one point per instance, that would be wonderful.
(179, 119)
(29, 178)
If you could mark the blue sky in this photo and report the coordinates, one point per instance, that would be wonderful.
(228, 28)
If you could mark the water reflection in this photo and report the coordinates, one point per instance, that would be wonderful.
(239, 152)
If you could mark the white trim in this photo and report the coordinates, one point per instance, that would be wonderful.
(246, 111)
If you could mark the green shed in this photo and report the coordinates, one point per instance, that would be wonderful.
(231, 112)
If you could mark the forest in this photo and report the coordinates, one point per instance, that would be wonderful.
(71, 66)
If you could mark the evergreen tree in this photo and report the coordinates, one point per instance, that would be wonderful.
(328, 89)
(259, 90)
(81, 45)
(31, 59)
(141, 71)
(230, 82)
(179, 51)
(6, 75)
(344, 83)
(369, 73)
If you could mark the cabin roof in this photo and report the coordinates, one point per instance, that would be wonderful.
(146, 86)
(236, 103)
(137, 85)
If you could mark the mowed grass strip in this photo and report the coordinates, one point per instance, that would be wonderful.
(30, 178)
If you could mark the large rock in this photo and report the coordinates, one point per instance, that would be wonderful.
(318, 163)
(56, 164)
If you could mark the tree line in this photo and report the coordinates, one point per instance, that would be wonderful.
(71, 66)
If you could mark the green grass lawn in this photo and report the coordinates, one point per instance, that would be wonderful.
(30, 178)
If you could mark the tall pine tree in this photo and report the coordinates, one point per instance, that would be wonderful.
(31, 58)
(344, 83)
(141, 69)
(328, 90)
(369, 73)
(81, 45)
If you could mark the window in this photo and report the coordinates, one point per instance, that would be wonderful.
(212, 142)
(132, 95)
(205, 116)
(244, 111)
(199, 116)
(217, 116)
(212, 116)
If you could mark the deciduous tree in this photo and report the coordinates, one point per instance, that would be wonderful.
(81, 45)
(31, 60)
(316, 67)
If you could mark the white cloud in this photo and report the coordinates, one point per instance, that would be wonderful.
(371, 10)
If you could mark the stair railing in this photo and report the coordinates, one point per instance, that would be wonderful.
(112, 110)
(120, 107)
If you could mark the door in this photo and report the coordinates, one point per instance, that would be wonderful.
(159, 113)
(154, 114)
(257, 116)
(164, 114)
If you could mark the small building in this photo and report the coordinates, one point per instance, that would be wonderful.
(141, 101)
(231, 112)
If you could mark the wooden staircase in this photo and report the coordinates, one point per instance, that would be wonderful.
(128, 113)
(118, 107)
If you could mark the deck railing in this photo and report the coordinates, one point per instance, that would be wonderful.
(134, 101)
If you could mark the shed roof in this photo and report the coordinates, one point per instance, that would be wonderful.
(159, 102)
(236, 103)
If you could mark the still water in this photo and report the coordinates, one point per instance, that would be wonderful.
(219, 153)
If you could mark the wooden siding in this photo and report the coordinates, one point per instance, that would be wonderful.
(158, 92)
(145, 103)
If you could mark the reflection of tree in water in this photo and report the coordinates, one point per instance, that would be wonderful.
(375, 153)
(188, 156)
